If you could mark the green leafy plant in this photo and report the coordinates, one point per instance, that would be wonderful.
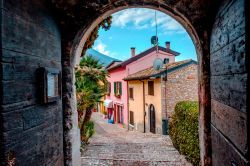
(183, 130)
(91, 85)
(89, 131)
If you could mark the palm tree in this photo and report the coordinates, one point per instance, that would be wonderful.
(91, 86)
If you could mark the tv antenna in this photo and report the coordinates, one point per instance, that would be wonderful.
(156, 33)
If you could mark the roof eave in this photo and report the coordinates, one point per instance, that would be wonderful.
(162, 72)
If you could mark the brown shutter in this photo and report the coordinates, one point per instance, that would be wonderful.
(131, 117)
(131, 93)
(150, 87)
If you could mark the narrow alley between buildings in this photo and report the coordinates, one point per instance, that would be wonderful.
(114, 145)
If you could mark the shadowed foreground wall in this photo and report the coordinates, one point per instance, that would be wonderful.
(228, 85)
(30, 39)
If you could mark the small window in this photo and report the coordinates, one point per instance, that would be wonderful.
(131, 93)
(131, 118)
(118, 89)
(108, 88)
(150, 87)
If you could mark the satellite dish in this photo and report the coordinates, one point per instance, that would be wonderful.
(154, 40)
(166, 60)
(158, 64)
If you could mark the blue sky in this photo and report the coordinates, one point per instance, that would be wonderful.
(135, 27)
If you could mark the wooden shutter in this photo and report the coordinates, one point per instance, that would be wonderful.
(150, 87)
(120, 88)
(131, 93)
(115, 88)
(109, 88)
(131, 117)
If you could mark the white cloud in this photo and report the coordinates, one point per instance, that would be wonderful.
(145, 19)
(102, 48)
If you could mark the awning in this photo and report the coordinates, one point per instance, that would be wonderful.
(119, 104)
(108, 103)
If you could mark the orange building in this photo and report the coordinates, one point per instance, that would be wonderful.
(153, 94)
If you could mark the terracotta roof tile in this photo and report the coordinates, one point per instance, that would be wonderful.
(151, 72)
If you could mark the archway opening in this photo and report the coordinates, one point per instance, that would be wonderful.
(84, 34)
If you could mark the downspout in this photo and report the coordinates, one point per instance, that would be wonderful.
(143, 99)
(127, 105)
(164, 104)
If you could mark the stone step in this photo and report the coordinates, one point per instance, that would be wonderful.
(132, 153)
(130, 162)
(130, 147)
(173, 156)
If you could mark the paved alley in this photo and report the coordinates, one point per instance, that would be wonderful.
(114, 145)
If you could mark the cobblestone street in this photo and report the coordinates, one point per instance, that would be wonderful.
(114, 145)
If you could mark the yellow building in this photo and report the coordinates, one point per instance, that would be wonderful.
(154, 93)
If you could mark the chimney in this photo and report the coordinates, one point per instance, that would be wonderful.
(167, 45)
(132, 51)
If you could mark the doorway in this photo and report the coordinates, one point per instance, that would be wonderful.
(118, 114)
(152, 118)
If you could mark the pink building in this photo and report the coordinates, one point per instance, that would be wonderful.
(117, 100)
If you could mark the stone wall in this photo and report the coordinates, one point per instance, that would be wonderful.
(32, 132)
(182, 85)
(228, 85)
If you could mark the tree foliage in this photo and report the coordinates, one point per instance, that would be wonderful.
(91, 86)
(183, 130)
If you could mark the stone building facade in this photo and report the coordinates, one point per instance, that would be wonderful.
(119, 70)
(182, 85)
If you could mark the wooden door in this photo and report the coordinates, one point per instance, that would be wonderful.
(152, 118)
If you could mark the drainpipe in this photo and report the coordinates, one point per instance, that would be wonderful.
(127, 104)
(143, 99)
(164, 104)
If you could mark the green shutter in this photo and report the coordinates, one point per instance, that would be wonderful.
(120, 88)
(115, 88)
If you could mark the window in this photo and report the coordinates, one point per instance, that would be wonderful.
(108, 88)
(131, 93)
(118, 88)
(131, 118)
(150, 87)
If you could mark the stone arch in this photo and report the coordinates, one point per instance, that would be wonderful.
(83, 34)
(44, 33)
(200, 37)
